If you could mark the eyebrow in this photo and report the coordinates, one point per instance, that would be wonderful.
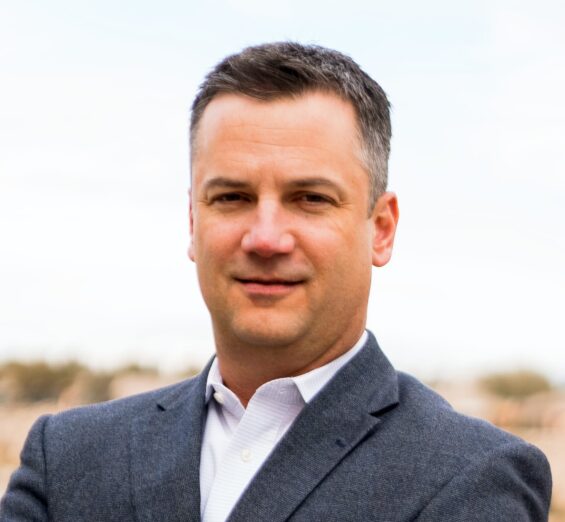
(312, 182)
(223, 182)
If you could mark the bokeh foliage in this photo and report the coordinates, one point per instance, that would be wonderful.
(515, 385)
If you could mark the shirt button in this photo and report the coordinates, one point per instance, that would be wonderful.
(246, 455)
(219, 398)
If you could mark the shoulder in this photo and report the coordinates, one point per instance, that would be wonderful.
(82, 440)
(443, 465)
(437, 423)
(111, 418)
(468, 457)
(416, 426)
(70, 454)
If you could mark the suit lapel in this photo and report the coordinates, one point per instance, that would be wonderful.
(338, 419)
(165, 455)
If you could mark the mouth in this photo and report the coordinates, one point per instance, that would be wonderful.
(268, 286)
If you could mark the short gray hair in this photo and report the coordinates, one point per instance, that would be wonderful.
(276, 70)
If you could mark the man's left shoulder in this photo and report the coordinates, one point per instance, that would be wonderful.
(438, 423)
(476, 468)
(463, 445)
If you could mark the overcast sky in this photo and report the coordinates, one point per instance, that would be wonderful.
(94, 175)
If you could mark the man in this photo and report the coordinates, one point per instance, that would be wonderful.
(299, 416)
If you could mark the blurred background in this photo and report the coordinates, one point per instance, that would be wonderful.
(97, 296)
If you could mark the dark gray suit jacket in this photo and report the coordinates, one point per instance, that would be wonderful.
(373, 445)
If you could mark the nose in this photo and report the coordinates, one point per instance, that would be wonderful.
(267, 234)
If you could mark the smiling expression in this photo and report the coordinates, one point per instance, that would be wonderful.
(281, 234)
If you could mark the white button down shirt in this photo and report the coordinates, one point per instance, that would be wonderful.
(237, 441)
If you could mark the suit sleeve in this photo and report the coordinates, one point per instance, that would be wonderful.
(511, 482)
(26, 496)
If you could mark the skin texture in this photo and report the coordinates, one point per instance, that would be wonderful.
(281, 236)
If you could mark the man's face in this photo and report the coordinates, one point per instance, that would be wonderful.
(281, 233)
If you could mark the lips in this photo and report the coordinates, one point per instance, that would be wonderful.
(268, 287)
(267, 282)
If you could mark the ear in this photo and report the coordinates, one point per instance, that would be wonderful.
(191, 255)
(385, 219)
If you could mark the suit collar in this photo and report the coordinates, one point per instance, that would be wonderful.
(345, 412)
(165, 473)
(165, 454)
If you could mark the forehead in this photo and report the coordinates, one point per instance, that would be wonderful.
(312, 119)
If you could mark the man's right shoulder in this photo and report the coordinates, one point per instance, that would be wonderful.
(115, 415)
(69, 455)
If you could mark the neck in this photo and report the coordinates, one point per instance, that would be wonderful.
(245, 368)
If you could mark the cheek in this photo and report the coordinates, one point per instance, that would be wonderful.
(212, 241)
(345, 259)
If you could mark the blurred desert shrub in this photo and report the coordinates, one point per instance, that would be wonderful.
(136, 369)
(515, 385)
(39, 381)
(31, 382)
(88, 387)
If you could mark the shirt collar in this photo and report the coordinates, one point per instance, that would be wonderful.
(214, 379)
(308, 384)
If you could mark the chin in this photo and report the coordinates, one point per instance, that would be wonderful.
(265, 331)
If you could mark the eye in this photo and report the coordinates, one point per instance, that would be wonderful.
(229, 197)
(313, 198)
